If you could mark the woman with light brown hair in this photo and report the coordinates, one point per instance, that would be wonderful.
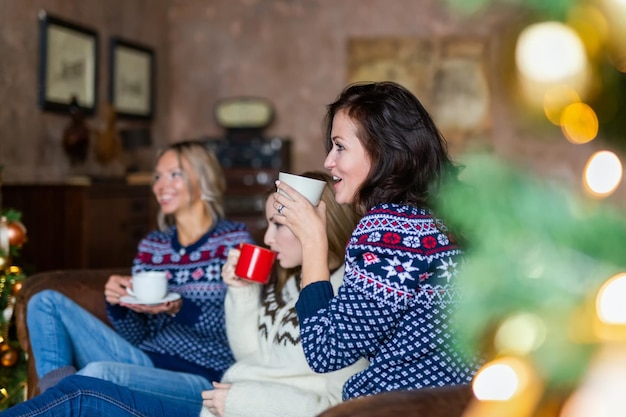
(270, 376)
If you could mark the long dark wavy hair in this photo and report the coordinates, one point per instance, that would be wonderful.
(408, 154)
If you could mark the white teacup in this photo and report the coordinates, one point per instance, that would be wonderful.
(149, 286)
(310, 188)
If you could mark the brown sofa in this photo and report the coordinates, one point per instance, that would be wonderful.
(85, 286)
(450, 401)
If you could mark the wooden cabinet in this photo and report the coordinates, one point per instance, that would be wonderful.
(99, 225)
(81, 226)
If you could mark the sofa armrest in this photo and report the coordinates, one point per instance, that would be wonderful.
(447, 401)
(84, 286)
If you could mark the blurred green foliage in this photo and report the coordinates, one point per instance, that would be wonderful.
(536, 247)
(553, 9)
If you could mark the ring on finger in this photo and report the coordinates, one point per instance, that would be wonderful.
(280, 209)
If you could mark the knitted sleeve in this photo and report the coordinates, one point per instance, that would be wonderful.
(136, 328)
(393, 256)
(242, 319)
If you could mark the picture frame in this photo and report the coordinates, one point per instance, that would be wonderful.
(131, 79)
(68, 65)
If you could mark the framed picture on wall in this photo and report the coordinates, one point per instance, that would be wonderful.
(131, 85)
(68, 65)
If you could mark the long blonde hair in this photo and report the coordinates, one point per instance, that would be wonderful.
(207, 169)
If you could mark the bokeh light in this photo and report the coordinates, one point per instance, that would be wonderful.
(556, 99)
(579, 123)
(603, 173)
(601, 392)
(615, 14)
(495, 382)
(591, 25)
(504, 378)
(550, 52)
(610, 305)
(520, 334)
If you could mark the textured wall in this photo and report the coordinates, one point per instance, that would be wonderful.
(293, 52)
(30, 140)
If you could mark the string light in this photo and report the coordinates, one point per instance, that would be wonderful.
(520, 334)
(601, 392)
(602, 174)
(550, 52)
(579, 123)
(556, 99)
(610, 304)
(508, 385)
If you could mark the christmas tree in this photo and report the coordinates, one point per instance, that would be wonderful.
(539, 256)
(13, 365)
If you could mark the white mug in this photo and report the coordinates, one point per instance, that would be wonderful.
(310, 188)
(149, 286)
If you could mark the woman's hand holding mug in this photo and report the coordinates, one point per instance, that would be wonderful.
(115, 288)
(228, 270)
(247, 265)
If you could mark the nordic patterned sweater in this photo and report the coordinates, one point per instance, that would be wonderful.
(271, 376)
(395, 306)
(195, 339)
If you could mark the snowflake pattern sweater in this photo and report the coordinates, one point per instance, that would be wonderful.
(195, 339)
(395, 307)
(271, 376)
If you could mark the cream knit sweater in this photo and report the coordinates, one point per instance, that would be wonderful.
(271, 377)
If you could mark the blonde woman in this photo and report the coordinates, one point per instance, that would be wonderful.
(185, 335)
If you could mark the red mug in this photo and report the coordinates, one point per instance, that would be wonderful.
(255, 263)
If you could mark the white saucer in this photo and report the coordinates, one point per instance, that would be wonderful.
(129, 299)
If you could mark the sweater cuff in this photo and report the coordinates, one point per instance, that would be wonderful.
(188, 314)
(313, 298)
(116, 311)
(245, 293)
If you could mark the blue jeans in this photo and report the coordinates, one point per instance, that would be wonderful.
(63, 333)
(83, 396)
(171, 385)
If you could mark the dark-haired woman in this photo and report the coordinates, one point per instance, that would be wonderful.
(396, 305)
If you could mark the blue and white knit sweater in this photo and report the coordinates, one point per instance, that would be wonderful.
(395, 306)
(195, 339)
